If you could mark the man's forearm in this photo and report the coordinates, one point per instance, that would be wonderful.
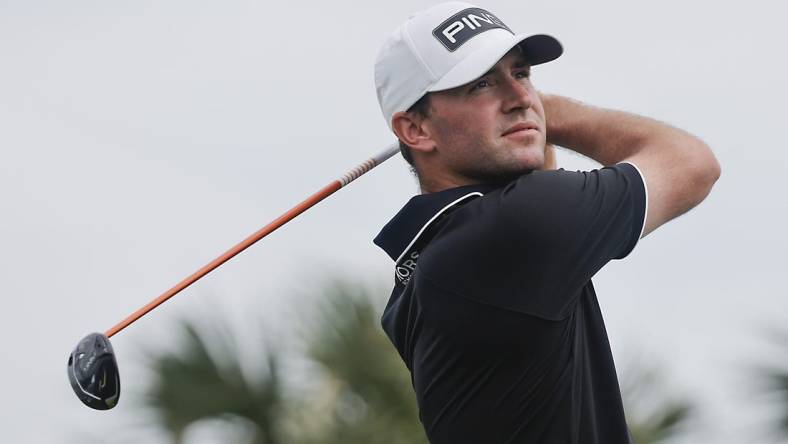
(550, 162)
(605, 135)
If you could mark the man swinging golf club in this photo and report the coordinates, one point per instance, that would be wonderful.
(493, 309)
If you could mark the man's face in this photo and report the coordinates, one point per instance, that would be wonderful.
(493, 128)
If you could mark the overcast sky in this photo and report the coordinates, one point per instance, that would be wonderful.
(138, 140)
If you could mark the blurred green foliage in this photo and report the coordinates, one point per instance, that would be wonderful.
(654, 413)
(773, 378)
(198, 383)
(359, 393)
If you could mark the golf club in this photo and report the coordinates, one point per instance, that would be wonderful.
(92, 367)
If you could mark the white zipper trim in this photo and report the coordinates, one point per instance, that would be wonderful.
(475, 193)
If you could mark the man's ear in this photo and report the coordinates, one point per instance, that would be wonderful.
(410, 129)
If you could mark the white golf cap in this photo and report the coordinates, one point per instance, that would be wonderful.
(445, 46)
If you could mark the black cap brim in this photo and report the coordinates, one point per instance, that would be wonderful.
(541, 48)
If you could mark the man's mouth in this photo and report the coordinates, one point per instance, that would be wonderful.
(521, 127)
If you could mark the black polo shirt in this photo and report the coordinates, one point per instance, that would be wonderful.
(494, 312)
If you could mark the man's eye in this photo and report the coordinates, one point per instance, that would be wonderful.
(480, 84)
(523, 74)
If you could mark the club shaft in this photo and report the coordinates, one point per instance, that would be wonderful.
(326, 191)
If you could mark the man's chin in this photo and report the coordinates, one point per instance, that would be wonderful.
(505, 175)
(531, 158)
(520, 160)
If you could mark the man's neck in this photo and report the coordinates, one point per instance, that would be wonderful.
(435, 183)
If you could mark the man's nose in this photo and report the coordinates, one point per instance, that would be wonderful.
(516, 96)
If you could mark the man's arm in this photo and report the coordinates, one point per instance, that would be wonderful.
(678, 168)
(549, 158)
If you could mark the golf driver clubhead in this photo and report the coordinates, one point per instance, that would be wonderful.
(93, 372)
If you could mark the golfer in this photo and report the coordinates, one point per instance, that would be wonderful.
(493, 308)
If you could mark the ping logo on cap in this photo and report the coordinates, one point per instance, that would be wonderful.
(464, 25)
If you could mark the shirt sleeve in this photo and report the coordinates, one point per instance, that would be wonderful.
(533, 245)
